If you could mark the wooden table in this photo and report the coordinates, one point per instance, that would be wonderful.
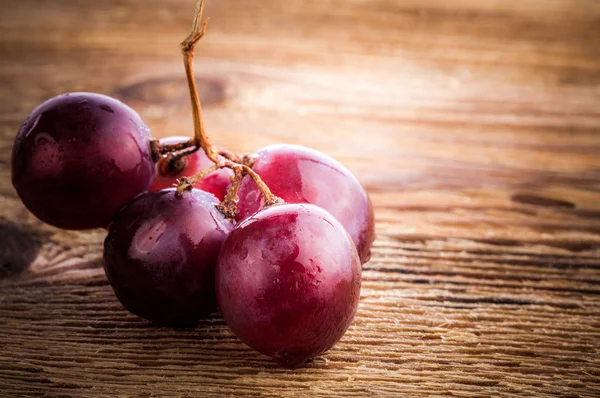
(474, 125)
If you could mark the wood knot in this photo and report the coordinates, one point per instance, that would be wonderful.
(541, 201)
(174, 91)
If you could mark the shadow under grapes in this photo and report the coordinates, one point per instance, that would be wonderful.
(18, 248)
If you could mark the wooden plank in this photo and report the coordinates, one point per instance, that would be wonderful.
(473, 124)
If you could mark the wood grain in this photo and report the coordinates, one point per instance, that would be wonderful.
(474, 124)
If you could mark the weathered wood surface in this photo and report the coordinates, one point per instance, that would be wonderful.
(474, 124)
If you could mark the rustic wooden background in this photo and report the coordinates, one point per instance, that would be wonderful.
(474, 124)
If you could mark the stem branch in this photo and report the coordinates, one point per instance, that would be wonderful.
(158, 150)
(229, 205)
(186, 183)
(270, 199)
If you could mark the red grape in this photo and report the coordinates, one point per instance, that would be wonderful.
(302, 175)
(160, 255)
(288, 282)
(79, 157)
(166, 176)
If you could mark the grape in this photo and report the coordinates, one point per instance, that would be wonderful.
(288, 282)
(160, 255)
(167, 175)
(79, 157)
(302, 175)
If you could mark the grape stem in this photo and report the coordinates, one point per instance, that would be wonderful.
(190, 146)
(229, 207)
(158, 150)
(186, 183)
(240, 170)
(270, 199)
(187, 48)
(220, 157)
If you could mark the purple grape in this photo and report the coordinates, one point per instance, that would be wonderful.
(160, 255)
(288, 282)
(302, 175)
(80, 157)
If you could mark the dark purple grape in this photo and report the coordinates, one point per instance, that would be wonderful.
(80, 157)
(288, 282)
(160, 255)
(215, 183)
(302, 175)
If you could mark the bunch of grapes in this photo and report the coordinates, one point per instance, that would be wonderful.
(274, 239)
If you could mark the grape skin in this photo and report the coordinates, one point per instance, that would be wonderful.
(80, 157)
(160, 255)
(288, 282)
